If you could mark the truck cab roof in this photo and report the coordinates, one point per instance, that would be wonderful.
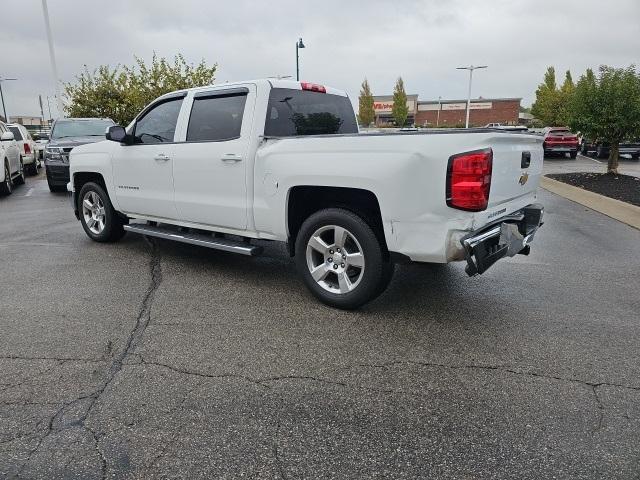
(268, 83)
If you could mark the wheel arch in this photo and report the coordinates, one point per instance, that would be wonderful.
(79, 180)
(305, 200)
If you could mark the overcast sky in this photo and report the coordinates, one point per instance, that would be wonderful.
(421, 40)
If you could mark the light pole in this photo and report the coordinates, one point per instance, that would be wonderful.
(471, 68)
(52, 57)
(439, 108)
(299, 45)
(4, 107)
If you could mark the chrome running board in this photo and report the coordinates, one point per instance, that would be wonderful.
(200, 239)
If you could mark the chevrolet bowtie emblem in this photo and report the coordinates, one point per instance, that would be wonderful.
(523, 178)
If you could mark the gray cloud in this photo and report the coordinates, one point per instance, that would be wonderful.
(422, 40)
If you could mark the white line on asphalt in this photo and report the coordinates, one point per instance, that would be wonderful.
(592, 159)
(29, 192)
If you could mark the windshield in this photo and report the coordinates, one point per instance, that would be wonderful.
(80, 128)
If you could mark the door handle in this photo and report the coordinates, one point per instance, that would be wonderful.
(161, 157)
(231, 158)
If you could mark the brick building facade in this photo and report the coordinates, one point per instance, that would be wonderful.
(444, 113)
(483, 111)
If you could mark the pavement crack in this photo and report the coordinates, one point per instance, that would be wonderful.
(184, 371)
(135, 335)
(177, 433)
(600, 406)
(501, 368)
(276, 451)
(56, 359)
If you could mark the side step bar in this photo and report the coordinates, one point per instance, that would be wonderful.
(200, 239)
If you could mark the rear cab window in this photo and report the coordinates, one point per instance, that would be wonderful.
(294, 112)
(17, 134)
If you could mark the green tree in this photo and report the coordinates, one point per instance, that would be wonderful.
(367, 114)
(121, 92)
(606, 108)
(545, 108)
(400, 111)
(565, 100)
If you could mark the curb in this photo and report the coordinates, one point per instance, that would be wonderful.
(621, 211)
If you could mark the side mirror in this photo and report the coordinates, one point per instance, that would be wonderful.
(116, 133)
(7, 137)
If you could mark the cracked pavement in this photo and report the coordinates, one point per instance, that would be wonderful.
(147, 359)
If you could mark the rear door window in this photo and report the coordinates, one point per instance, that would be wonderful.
(303, 112)
(217, 117)
(17, 134)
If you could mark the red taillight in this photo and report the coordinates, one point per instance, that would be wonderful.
(469, 180)
(313, 87)
(27, 149)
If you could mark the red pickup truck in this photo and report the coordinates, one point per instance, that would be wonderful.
(560, 140)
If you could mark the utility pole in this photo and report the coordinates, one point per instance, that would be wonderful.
(52, 57)
(49, 107)
(4, 106)
(439, 108)
(41, 109)
(471, 68)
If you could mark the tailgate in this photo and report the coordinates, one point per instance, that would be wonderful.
(516, 172)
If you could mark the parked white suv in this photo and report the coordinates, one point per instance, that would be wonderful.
(220, 166)
(12, 170)
(27, 147)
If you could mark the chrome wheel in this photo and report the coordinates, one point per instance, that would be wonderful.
(335, 259)
(93, 212)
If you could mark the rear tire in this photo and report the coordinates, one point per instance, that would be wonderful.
(341, 259)
(20, 178)
(573, 155)
(600, 152)
(584, 149)
(6, 187)
(33, 168)
(100, 221)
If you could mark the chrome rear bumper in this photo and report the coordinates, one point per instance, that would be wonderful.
(507, 237)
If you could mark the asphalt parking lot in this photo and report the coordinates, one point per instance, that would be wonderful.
(152, 359)
(583, 163)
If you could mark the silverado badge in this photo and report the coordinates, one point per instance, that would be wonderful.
(523, 178)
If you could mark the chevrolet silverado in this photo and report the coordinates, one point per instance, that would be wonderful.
(226, 165)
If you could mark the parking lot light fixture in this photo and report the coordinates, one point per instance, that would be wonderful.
(52, 58)
(471, 68)
(4, 106)
(299, 45)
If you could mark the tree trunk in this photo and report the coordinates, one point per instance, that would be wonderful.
(612, 166)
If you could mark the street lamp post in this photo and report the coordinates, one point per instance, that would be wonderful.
(52, 57)
(4, 106)
(299, 45)
(439, 108)
(471, 68)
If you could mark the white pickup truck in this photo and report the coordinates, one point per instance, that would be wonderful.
(272, 159)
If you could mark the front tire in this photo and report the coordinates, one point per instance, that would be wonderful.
(56, 188)
(341, 259)
(99, 220)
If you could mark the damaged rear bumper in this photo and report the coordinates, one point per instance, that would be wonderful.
(508, 237)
